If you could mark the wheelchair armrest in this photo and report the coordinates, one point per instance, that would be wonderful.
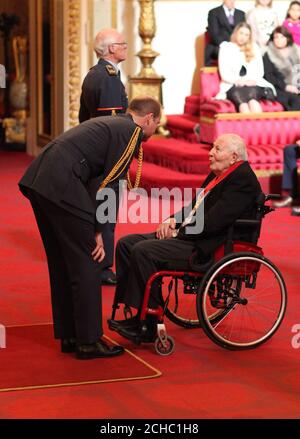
(273, 197)
(247, 223)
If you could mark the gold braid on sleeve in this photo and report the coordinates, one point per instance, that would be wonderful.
(124, 160)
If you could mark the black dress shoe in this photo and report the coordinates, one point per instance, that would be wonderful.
(68, 345)
(108, 277)
(140, 336)
(115, 325)
(97, 350)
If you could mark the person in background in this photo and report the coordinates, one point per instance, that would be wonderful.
(242, 80)
(263, 20)
(221, 22)
(285, 55)
(290, 191)
(279, 64)
(292, 21)
(103, 94)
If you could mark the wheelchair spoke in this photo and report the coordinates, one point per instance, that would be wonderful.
(261, 293)
(261, 305)
(235, 315)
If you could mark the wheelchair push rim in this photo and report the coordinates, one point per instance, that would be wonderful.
(252, 294)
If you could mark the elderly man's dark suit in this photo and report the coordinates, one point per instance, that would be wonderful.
(103, 94)
(219, 29)
(139, 256)
(56, 183)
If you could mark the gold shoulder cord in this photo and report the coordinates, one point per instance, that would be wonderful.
(124, 160)
(138, 171)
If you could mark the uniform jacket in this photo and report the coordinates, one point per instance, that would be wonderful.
(62, 172)
(102, 92)
(233, 198)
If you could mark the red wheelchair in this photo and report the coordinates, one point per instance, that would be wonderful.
(239, 299)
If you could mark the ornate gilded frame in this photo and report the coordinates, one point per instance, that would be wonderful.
(73, 62)
(43, 136)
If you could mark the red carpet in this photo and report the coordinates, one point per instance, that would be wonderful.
(30, 350)
(200, 380)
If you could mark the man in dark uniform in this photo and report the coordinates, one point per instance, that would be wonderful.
(232, 190)
(221, 22)
(56, 184)
(103, 94)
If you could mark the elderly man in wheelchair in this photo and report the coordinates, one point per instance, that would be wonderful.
(219, 279)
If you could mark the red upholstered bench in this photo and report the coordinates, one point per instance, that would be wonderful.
(272, 127)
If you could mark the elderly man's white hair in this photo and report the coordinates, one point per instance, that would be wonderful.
(103, 39)
(236, 144)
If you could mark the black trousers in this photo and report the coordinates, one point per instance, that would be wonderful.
(290, 101)
(74, 276)
(140, 255)
(291, 154)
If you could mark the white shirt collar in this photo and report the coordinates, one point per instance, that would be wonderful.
(228, 11)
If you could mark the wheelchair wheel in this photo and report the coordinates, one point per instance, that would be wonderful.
(164, 349)
(180, 307)
(251, 293)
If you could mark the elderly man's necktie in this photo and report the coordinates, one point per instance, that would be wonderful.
(231, 18)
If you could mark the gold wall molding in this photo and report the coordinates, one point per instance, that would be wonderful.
(114, 14)
(74, 49)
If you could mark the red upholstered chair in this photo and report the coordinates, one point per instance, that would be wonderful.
(272, 127)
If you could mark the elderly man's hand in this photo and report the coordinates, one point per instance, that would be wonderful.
(98, 253)
(165, 229)
(298, 142)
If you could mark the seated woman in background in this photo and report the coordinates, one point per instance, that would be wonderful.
(263, 20)
(241, 70)
(292, 21)
(280, 64)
